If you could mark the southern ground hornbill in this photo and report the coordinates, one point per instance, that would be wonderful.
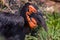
(15, 27)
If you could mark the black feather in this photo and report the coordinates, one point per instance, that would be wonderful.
(11, 25)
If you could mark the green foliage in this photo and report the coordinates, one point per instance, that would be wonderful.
(53, 24)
